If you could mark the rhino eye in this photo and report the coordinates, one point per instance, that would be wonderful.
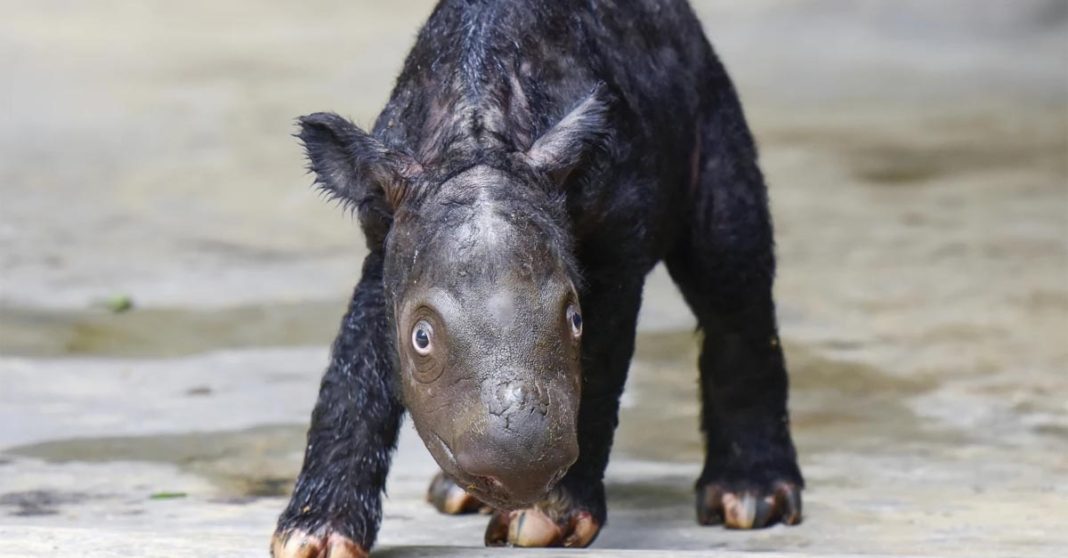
(575, 320)
(422, 337)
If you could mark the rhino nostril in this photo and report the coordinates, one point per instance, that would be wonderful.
(542, 405)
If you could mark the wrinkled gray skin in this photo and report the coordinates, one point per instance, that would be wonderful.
(496, 396)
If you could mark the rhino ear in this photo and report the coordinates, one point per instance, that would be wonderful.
(350, 164)
(581, 131)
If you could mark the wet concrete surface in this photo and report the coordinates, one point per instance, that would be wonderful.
(165, 332)
(918, 163)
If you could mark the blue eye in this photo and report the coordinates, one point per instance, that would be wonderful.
(575, 320)
(421, 337)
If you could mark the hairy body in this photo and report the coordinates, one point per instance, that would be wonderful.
(534, 162)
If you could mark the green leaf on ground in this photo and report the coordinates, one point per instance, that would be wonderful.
(167, 495)
(119, 303)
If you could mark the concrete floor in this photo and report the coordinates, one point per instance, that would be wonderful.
(917, 157)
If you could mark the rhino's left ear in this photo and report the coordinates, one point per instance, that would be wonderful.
(583, 130)
(352, 165)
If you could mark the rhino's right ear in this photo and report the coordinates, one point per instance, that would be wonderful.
(578, 133)
(350, 164)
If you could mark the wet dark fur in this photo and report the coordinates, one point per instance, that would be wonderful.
(631, 201)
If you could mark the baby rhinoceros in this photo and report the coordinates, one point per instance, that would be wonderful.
(535, 161)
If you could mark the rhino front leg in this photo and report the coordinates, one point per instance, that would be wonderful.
(336, 506)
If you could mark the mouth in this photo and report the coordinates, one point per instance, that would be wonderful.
(490, 491)
(487, 489)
